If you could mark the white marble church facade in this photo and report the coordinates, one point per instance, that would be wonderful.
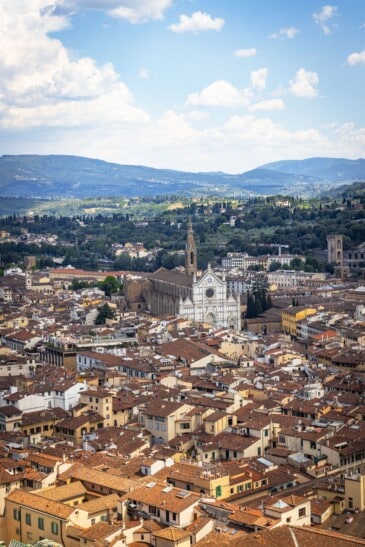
(209, 302)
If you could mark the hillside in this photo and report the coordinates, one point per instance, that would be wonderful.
(326, 169)
(58, 176)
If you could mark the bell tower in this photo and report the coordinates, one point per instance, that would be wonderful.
(190, 251)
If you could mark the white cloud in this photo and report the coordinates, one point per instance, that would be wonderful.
(243, 53)
(270, 104)
(219, 93)
(196, 115)
(349, 134)
(134, 11)
(356, 58)
(324, 17)
(41, 85)
(288, 32)
(197, 22)
(258, 79)
(304, 84)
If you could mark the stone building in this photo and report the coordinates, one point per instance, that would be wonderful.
(202, 299)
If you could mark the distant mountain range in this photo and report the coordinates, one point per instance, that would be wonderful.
(58, 176)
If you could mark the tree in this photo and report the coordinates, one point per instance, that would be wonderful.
(296, 263)
(250, 310)
(109, 285)
(274, 266)
(104, 312)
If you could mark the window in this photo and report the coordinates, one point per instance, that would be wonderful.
(154, 510)
(301, 512)
(174, 516)
(16, 514)
(218, 491)
(54, 528)
(40, 523)
(92, 522)
(28, 519)
(266, 432)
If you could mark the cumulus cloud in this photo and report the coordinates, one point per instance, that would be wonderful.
(197, 22)
(42, 85)
(349, 133)
(134, 11)
(196, 115)
(224, 94)
(356, 58)
(324, 18)
(263, 131)
(288, 32)
(304, 84)
(258, 79)
(270, 104)
(219, 93)
(243, 53)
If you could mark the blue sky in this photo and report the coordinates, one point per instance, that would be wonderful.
(195, 85)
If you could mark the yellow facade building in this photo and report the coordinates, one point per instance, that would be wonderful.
(293, 315)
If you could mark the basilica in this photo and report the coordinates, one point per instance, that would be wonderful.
(202, 299)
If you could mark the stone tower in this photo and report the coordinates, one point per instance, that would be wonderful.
(335, 249)
(190, 251)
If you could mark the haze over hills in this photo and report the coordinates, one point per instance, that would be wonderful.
(58, 176)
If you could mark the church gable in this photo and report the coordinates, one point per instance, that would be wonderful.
(209, 279)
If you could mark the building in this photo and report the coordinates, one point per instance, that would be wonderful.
(293, 315)
(203, 299)
(166, 504)
(160, 418)
(335, 249)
